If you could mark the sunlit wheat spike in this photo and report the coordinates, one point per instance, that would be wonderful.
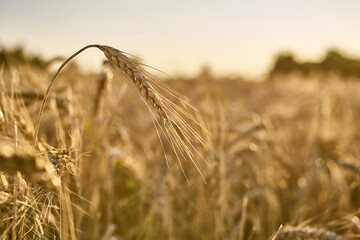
(177, 131)
(174, 118)
(130, 68)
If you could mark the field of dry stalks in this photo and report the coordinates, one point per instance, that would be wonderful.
(279, 159)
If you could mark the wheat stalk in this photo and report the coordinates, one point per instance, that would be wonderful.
(174, 118)
(103, 81)
(354, 167)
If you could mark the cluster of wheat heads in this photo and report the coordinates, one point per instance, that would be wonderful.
(29, 183)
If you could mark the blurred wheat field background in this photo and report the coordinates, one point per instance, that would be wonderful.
(204, 120)
(282, 159)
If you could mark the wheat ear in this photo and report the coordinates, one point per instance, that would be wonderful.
(290, 232)
(174, 118)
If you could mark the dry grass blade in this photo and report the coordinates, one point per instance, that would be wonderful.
(4, 197)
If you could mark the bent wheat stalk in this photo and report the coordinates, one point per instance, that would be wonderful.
(174, 118)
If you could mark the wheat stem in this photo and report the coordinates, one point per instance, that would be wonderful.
(50, 86)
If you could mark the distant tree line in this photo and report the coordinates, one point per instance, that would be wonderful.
(334, 61)
(19, 55)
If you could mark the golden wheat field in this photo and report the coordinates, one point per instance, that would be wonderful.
(122, 154)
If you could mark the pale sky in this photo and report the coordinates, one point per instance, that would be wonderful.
(236, 37)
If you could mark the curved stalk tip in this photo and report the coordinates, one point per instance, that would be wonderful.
(38, 121)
